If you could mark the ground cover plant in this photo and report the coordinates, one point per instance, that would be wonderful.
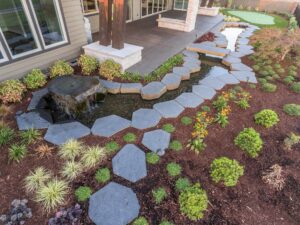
(35, 79)
(266, 118)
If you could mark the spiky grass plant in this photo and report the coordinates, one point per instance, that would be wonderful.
(174, 169)
(44, 150)
(70, 149)
(71, 170)
(30, 136)
(52, 194)
(92, 156)
(6, 134)
(17, 152)
(36, 179)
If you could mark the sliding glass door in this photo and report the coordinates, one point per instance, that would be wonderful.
(181, 4)
(151, 7)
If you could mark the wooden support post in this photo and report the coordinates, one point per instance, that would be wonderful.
(105, 22)
(203, 3)
(210, 3)
(119, 22)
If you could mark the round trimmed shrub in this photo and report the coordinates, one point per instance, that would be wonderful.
(268, 87)
(296, 87)
(249, 141)
(102, 175)
(289, 79)
(140, 221)
(266, 118)
(292, 109)
(110, 69)
(35, 79)
(193, 202)
(174, 169)
(83, 193)
(226, 170)
(152, 158)
(88, 64)
(11, 91)
(61, 68)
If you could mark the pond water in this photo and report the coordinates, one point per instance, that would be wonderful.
(232, 34)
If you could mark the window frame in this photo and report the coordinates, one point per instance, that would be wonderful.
(89, 13)
(3, 52)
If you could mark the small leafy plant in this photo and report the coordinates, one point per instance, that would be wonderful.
(165, 222)
(290, 141)
(168, 128)
(6, 135)
(36, 179)
(35, 79)
(83, 193)
(61, 68)
(268, 87)
(110, 69)
(181, 184)
(11, 91)
(17, 152)
(92, 156)
(249, 141)
(30, 136)
(112, 147)
(174, 169)
(292, 109)
(88, 64)
(140, 221)
(152, 158)
(44, 150)
(296, 87)
(186, 120)
(102, 175)
(226, 170)
(266, 118)
(159, 194)
(71, 215)
(129, 137)
(70, 149)
(176, 145)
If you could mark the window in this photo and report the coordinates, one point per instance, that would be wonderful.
(150, 7)
(50, 21)
(3, 57)
(16, 27)
(89, 6)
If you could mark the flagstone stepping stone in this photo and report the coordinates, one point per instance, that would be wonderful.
(240, 67)
(112, 87)
(153, 90)
(36, 100)
(228, 60)
(237, 54)
(243, 41)
(39, 119)
(192, 60)
(217, 70)
(157, 141)
(59, 133)
(109, 125)
(194, 67)
(145, 118)
(221, 42)
(204, 91)
(183, 72)
(245, 76)
(172, 81)
(212, 82)
(189, 100)
(131, 88)
(114, 204)
(190, 54)
(208, 49)
(228, 79)
(130, 163)
(169, 109)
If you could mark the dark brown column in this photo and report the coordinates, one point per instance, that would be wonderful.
(203, 3)
(105, 22)
(210, 3)
(119, 22)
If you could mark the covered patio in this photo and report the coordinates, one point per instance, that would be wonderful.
(161, 43)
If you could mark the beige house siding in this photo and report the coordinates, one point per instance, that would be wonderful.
(75, 28)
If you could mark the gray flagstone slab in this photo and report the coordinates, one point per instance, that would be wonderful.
(131, 87)
(169, 109)
(157, 141)
(190, 54)
(183, 72)
(245, 76)
(228, 79)
(228, 60)
(153, 90)
(172, 81)
(189, 100)
(204, 91)
(111, 86)
(145, 118)
(240, 67)
(212, 82)
(36, 100)
(38, 119)
(194, 67)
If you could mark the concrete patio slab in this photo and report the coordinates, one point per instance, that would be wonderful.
(193, 67)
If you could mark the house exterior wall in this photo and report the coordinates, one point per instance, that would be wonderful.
(72, 13)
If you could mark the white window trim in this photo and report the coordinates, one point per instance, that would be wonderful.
(31, 25)
(5, 59)
(90, 13)
(158, 12)
(61, 22)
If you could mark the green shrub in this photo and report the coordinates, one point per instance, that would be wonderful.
(152, 158)
(293, 68)
(266, 118)
(140, 221)
(205, 108)
(11, 91)
(92, 156)
(102, 175)
(289, 79)
(17, 152)
(71, 170)
(129, 137)
(290, 109)
(193, 202)
(268, 87)
(226, 170)
(264, 73)
(88, 64)
(277, 66)
(186, 120)
(168, 128)
(249, 141)
(292, 73)
(112, 147)
(281, 71)
(70, 149)
(165, 222)
(83, 193)
(110, 69)
(181, 184)
(176, 145)
(6, 135)
(61, 68)
(174, 169)
(296, 87)
(159, 195)
(36, 179)
(252, 86)
(52, 194)
(35, 79)
(256, 67)
(30, 136)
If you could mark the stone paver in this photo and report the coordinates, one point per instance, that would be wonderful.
(183, 72)
(36, 100)
(112, 87)
(228, 60)
(204, 91)
(114, 204)
(228, 79)
(39, 119)
(157, 141)
(189, 100)
(169, 109)
(212, 82)
(192, 60)
(131, 87)
(217, 70)
(145, 118)
(109, 125)
(245, 76)
(208, 49)
(153, 90)
(194, 67)
(172, 81)
(59, 133)
(243, 41)
(130, 163)
(190, 54)
(237, 54)
(240, 67)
